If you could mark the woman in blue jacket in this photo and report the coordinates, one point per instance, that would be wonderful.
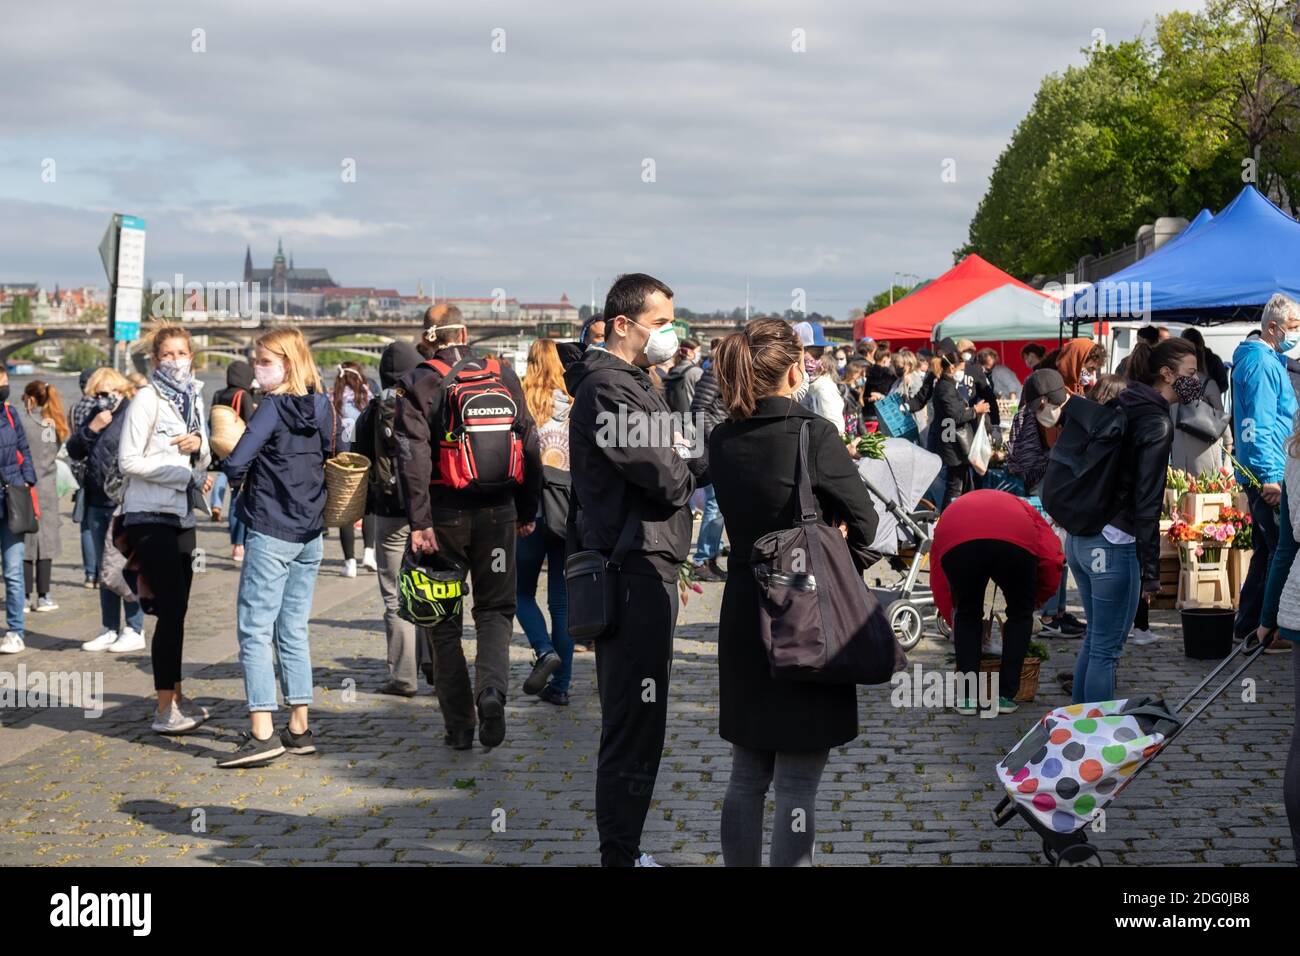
(279, 468)
(16, 470)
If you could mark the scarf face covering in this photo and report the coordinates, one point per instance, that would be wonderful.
(184, 396)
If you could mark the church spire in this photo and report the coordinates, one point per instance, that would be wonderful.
(248, 263)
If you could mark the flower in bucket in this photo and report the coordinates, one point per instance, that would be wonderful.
(1240, 521)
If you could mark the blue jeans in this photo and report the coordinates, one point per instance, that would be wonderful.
(89, 552)
(276, 583)
(238, 530)
(542, 546)
(1056, 603)
(110, 602)
(711, 526)
(15, 586)
(1109, 587)
(218, 493)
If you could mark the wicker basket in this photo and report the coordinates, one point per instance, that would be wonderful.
(1028, 675)
(227, 429)
(345, 489)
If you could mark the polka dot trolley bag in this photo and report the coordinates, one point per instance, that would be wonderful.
(1078, 758)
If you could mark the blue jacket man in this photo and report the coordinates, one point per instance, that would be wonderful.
(1263, 409)
(1263, 416)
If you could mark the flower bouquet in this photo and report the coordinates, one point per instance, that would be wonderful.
(686, 582)
(1201, 544)
(1240, 520)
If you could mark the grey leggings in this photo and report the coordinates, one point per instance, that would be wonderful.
(1291, 781)
(794, 831)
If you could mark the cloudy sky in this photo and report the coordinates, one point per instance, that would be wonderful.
(524, 169)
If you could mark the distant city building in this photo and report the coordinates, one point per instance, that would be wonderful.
(486, 310)
(562, 311)
(283, 275)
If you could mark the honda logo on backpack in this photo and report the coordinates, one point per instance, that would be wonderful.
(482, 444)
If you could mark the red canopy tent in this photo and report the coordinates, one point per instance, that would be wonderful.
(913, 316)
(910, 321)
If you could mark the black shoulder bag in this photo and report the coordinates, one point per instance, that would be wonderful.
(817, 619)
(592, 581)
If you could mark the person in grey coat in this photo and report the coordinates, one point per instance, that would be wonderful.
(1201, 431)
(47, 430)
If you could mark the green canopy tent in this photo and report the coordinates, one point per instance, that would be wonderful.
(1006, 314)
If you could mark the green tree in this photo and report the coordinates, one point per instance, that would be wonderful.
(20, 311)
(79, 355)
(881, 300)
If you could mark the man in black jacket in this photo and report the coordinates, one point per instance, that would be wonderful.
(476, 528)
(627, 469)
(376, 438)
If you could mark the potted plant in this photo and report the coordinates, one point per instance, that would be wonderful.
(1035, 654)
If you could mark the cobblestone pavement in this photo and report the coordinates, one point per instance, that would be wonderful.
(916, 787)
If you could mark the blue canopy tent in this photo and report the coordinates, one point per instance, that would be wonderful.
(1221, 268)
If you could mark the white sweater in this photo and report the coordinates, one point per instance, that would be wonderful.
(1288, 609)
(827, 402)
(157, 474)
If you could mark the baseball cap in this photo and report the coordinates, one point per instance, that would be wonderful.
(1045, 383)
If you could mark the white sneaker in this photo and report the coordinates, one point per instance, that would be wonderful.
(129, 641)
(350, 568)
(368, 560)
(174, 723)
(100, 643)
(12, 643)
(45, 604)
(1142, 637)
(645, 859)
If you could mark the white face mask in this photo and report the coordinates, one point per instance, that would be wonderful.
(968, 355)
(1087, 379)
(269, 377)
(662, 344)
(1048, 415)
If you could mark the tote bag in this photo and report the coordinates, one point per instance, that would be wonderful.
(817, 619)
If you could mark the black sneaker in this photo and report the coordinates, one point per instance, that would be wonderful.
(1049, 627)
(459, 739)
(300, 744)
(491, 717)
(543, 668)
(1070, 622)
(713, 566)
(396, 689)
(559, 698)
(253, 752)
(704, 572)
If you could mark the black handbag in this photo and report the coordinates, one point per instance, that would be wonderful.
(1200, 420)
(817, 619)
(557, 489)
(591, 578)
(20, 509)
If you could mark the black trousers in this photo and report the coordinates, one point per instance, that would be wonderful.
(969, 567)
(632, 669)
(1264, 538)
(38, 572)
(166, 555)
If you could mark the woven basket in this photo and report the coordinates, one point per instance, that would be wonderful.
(227, 428)
(1028, 675)
(345, 489)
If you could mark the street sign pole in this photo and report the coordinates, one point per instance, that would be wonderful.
(122, 252)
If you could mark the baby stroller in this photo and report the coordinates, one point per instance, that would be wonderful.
(896, 484)
(1077, 759)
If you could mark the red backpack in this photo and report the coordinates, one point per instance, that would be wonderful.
(481, 448)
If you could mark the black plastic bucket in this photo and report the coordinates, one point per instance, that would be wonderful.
(1207, 632)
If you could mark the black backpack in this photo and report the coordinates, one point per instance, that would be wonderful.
(384, 480)
(1083, 469)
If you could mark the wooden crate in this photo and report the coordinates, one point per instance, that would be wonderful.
(1238, 561)
(1203, 507)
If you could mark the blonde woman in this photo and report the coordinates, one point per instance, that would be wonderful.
(549, 404)
(96, 443)
(280, 462)
(163, 455)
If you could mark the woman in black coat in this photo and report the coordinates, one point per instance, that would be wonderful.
(950, 418)
(781, 732)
